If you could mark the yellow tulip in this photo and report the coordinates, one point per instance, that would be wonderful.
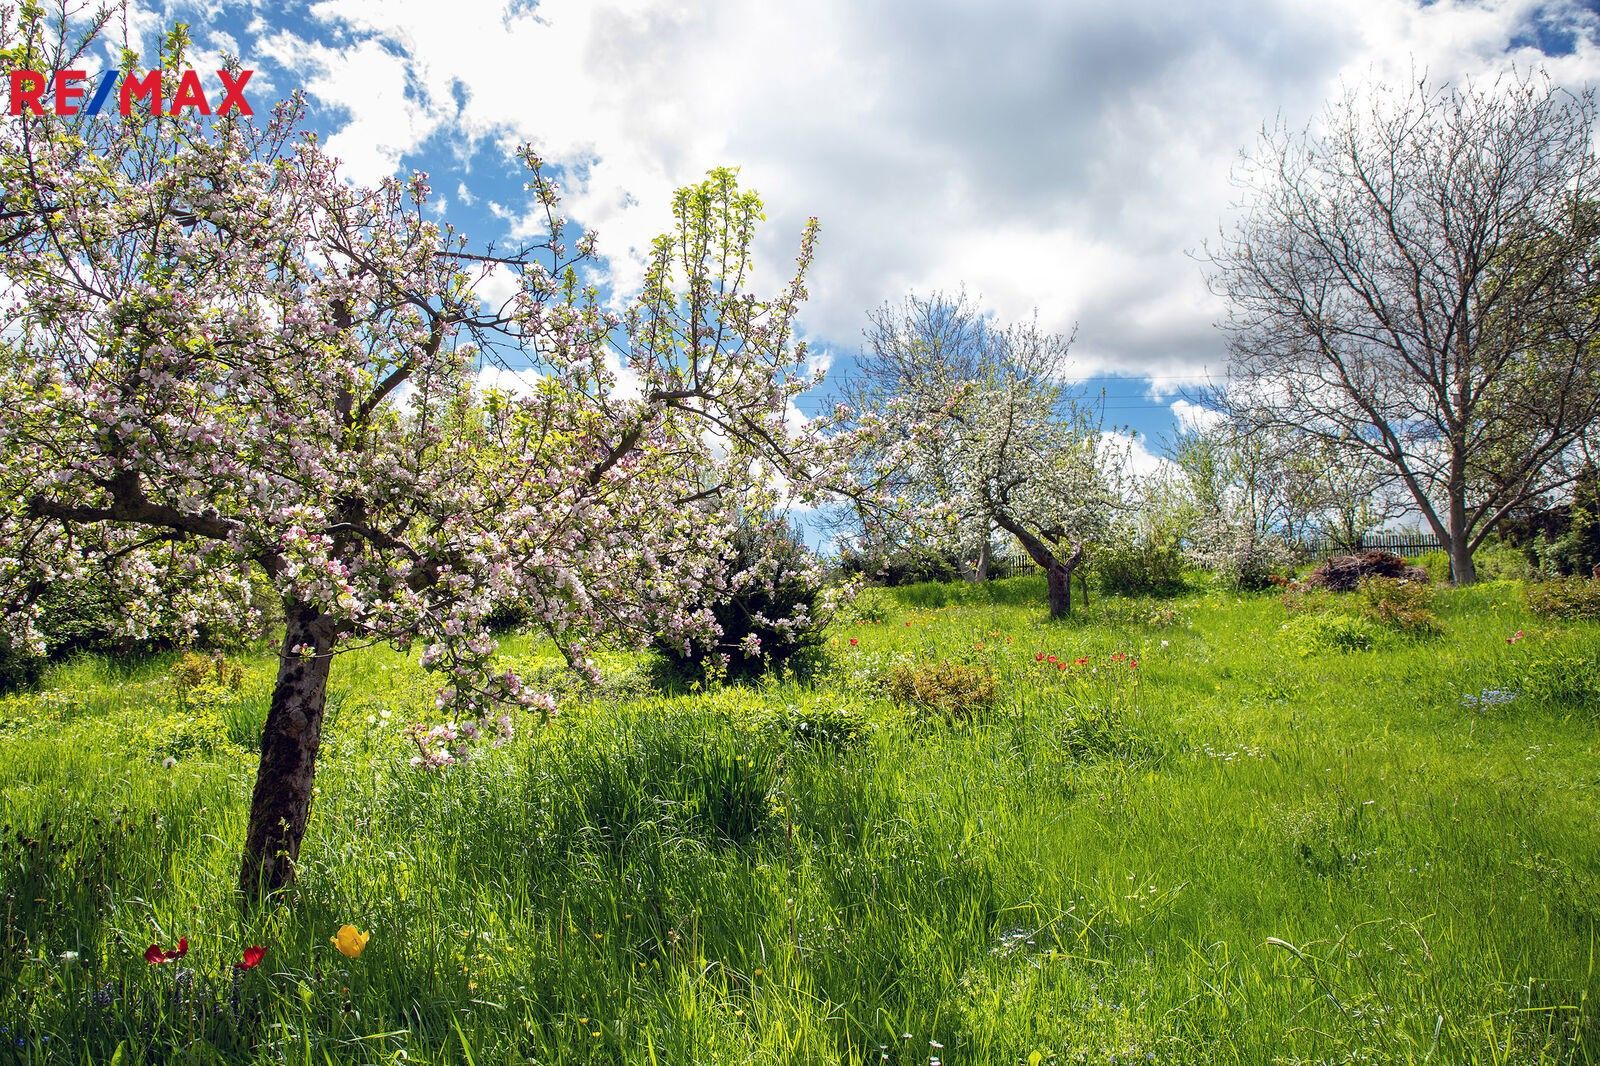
(350, 941)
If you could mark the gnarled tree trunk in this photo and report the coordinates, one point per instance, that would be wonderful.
(1058, 580)
(281, 801)
(1057, 570)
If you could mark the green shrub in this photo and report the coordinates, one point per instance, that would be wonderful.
(1138, 567)
(903, 566)
(1311, 633)
(1498, 561)
(1436, 564)
(19, 667)
(1565, 597)
(953, 690)
(1404, 606)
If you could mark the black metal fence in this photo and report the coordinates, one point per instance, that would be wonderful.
(1011, 565)
(1409, 544)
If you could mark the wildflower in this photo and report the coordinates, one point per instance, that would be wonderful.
(155, 956)
(1164, 643)
(1513, 638)
(1052, 659)
(1039, 657)
(350, 941)
(1133, 664)
(1117, 657)
(68, 956)
(252, 957)
(1061, 666)
(1081, 662)
(854, 642)
(168, 763)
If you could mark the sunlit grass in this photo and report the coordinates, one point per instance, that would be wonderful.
(1241, 850)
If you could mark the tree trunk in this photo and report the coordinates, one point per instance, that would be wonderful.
(980, 568)
(1058, 579)
(1462, 569)
(281, 801)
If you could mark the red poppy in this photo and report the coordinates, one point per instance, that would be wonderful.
(1133, 664)
(1039, 658)
(1052, 659)
(854, 642)
(1061, 666)
(1080, 662)
(252, 957)
(155, 956)
(1117, 657)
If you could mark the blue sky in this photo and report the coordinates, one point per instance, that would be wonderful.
(1068, 158)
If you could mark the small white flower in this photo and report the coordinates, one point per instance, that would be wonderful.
(68, 956)
(169, 762)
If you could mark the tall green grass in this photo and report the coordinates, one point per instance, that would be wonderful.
(1245, 849)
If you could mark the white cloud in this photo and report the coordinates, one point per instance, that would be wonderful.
(1191, 416)
(496, 288)
(1064, 157)
(390, 113)
(1141, 462)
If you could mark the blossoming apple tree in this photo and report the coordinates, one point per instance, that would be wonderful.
(228, 351)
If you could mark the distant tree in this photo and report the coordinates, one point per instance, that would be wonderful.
(916, 355)
(1416, 282)
(996, 440)
(1239, 520)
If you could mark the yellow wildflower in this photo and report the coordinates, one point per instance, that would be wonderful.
(350, 941)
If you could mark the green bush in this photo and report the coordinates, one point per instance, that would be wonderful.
(955, 691)
(1498, 561)
(903, 566)
(869, 605)
(19, 667)
(1138, 566)
(1404, 606)
(1565, 597)
(1436, 564)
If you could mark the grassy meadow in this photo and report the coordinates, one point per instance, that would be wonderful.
(1237, 831)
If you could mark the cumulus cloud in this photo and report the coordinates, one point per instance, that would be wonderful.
(1068, 158)
(1139, 461)
(1191, 416)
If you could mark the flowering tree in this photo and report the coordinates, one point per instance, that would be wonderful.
(231, 350)
(990, 437)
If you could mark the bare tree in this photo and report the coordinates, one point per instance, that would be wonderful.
(1416, 282)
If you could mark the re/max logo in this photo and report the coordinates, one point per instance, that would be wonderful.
(71, 94)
